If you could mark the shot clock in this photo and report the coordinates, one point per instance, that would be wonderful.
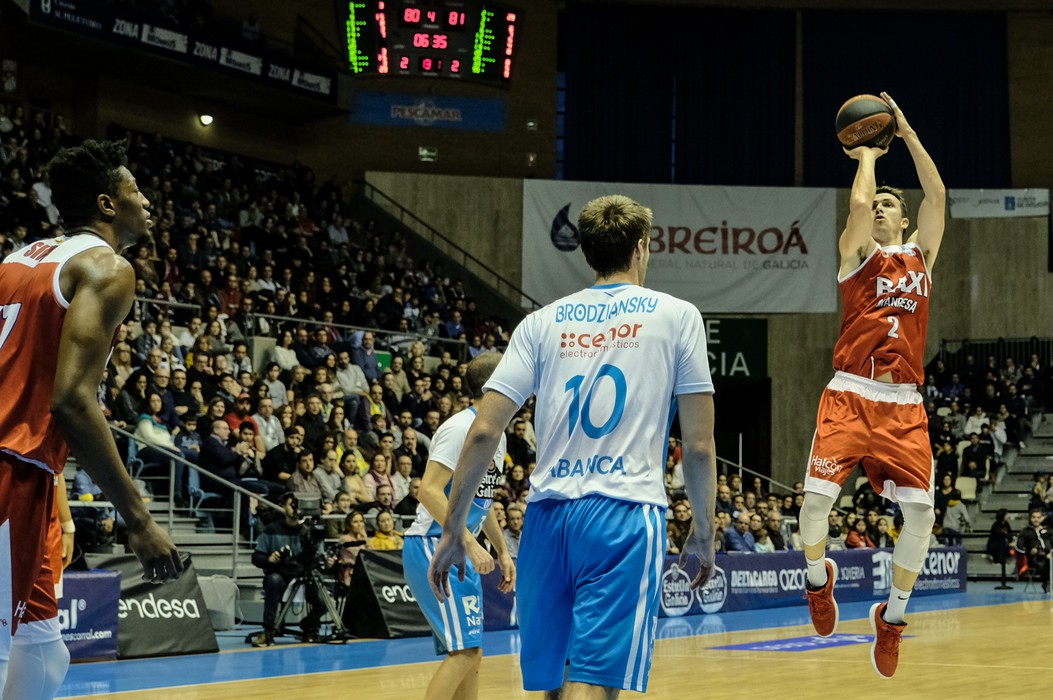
(466, 39)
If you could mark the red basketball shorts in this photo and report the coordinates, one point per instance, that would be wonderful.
(883, 428)
(26, 587)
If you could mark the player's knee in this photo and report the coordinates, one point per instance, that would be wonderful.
(816, 506)
(918, 518)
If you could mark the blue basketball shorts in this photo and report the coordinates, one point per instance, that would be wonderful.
(458, 623)
(587, 590)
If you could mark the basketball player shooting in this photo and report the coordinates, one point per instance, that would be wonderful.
(61, 300)
(871, 412)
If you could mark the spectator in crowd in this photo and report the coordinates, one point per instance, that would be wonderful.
(1000, 539)
(401, 478)
(513, 530)
(407, 506)
(353, 485)
(270, 427)
(240, 412)
(762, 542)
(365, 356)
(880, 535)
(284, 353)
(349, 445)
(943, 496)
(386, 537)
(280, 462)
(275, 386)
(330, 476)
(739, 539)
(379, 475)
(858, 537)
(1036, 542)
(336, 521)
(774, 525)
(956, 521)
(351, 543)
(383, 504)
(304, 481)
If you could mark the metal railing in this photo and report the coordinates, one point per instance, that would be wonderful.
(483, 272)
(239, 492)
(954, 352)
(458, 348)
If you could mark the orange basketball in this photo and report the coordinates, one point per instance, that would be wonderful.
(865, 120)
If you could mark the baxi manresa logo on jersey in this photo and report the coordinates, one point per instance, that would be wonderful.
(677, 596)
(714, 594)
(565, 235)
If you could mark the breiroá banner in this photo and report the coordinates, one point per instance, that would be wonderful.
(725, 249)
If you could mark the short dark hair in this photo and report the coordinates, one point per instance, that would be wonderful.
(898, 194)
(610, 229)
(80, 174)
(479, 371)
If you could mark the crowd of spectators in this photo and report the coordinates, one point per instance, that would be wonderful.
(244, 250)
(977, 411)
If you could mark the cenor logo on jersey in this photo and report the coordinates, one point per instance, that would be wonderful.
(609, 337)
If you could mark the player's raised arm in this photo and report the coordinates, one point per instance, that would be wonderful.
(101, 286)
(700, 477)
(932, 211)
(856, 242)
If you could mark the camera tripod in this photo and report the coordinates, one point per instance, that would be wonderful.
(313, 584)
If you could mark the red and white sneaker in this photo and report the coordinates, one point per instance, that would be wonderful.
(821, 603)
(884, 651)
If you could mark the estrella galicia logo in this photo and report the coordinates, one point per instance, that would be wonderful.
(1010, 203)
(713, 595)
(676, 592)
(565, 235)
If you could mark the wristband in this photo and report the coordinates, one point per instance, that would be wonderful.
(68, 527)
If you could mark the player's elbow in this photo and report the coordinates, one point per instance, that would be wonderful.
(858, 203)
(67, 406)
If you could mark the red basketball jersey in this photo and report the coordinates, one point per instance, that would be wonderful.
(32, 310)
(886, 316)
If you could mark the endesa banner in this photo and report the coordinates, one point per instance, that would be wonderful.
(724, 249)
(776, 580)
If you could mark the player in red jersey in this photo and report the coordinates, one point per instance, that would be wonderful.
(871, 412)
(61, 300)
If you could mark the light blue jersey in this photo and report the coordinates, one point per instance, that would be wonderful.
(606, 364)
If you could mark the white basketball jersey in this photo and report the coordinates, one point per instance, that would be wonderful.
(606, 364)
(446, 447)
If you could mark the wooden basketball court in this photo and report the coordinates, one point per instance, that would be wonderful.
(986, 651)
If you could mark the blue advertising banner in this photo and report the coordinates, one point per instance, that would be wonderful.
(756, 581)
(430, 111)
(88, 613)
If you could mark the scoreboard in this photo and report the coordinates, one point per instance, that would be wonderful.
(466, 39)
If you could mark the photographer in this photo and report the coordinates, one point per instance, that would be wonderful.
(280, 553)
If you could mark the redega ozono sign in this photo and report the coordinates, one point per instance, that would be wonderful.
(754, 581)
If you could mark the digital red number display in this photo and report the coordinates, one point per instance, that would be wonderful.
(468, 39)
